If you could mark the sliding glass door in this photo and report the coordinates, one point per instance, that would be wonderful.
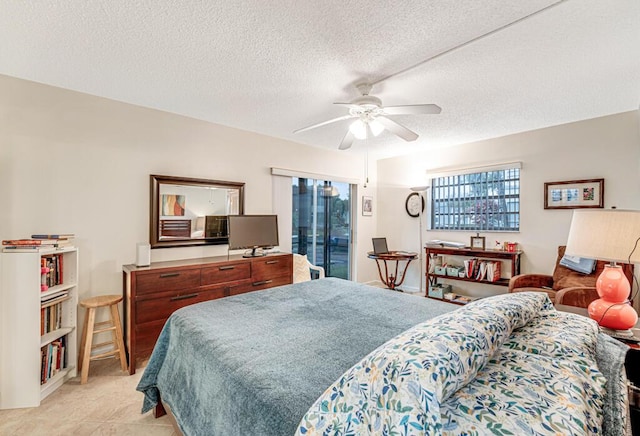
(322, 224)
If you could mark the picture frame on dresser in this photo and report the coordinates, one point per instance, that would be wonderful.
(477, 242)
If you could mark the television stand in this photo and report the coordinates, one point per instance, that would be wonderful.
(254, 253)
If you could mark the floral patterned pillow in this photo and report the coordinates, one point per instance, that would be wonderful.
(399, 386)
(543, 380)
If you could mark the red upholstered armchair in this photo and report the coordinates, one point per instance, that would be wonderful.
(571, 287)
(579, 297)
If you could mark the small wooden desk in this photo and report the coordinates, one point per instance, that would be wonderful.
(390, 278)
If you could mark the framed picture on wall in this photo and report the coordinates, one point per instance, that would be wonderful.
(574, 194)
(367, 206)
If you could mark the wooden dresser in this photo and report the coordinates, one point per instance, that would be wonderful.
(152, 293)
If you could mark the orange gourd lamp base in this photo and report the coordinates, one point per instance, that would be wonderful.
(613, 310)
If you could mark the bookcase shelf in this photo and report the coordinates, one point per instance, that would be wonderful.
(22, 309)
(57, 288)
(499, 282)
(56, 334)
(511, 258)
(56, 381)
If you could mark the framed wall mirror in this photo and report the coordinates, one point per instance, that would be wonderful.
(186, 211)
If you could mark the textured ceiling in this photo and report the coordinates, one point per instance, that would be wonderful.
(275, 66)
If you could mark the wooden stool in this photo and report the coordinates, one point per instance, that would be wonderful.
(91, 328)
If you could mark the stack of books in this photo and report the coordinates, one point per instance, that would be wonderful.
(484, 270)
(36, 242)
(53, 358)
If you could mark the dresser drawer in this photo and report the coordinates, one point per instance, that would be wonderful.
(146, 336)
(168, 280)
(256, 285)
(227, 272)
(160, 308)
(272, 266)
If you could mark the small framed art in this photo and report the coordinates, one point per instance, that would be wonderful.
(574, 194)
(477, 242)
(367, 206)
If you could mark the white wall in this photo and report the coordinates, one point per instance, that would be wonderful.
(70, 162)
(75, 163)
(607, 147)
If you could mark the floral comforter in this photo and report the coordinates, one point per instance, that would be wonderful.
(506, 365)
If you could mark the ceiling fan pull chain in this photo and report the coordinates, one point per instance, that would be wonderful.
(366, 165)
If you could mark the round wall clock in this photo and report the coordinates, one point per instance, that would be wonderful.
(414, 204)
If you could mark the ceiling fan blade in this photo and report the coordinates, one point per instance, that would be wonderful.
(397, 129)
(413, 109)
(324, 123)
(346, 141)
(351, 106)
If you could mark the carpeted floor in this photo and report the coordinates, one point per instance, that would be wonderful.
(107, 405)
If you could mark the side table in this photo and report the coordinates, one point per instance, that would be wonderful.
(390, 278)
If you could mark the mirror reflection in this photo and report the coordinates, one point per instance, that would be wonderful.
(188, 211)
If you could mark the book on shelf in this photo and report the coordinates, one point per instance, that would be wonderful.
(21, 248)
(54, 236)
(17, 242)
(50, 318)
(494, 271)
(449, 244)
(36, 243)
(60, 295)
(32, 248)
(52, 359)
(51, 270)
(470, 267)
(482, 271)
(463, 299)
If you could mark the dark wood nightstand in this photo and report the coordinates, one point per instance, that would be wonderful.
(631, 364)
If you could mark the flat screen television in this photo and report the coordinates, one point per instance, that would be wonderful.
(252, 231)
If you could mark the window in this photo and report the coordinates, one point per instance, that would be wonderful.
(488, 200)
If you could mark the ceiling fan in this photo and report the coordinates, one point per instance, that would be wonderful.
(372, 118)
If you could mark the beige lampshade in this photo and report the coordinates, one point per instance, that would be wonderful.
(605, 234)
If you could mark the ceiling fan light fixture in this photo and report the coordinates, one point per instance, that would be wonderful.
(376, 127)
(371, 118)
(359, 129)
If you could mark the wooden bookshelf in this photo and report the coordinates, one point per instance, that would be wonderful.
(506, 257)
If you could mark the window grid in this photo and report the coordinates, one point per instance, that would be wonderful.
(487, 200)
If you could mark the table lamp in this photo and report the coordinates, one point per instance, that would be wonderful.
(610, 235)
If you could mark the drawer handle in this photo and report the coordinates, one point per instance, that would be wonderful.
(271, 262)
(263, 282)
(184, 297)
(166, 275)
(224, 268)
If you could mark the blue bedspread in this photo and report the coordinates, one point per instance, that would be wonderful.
(253, 364)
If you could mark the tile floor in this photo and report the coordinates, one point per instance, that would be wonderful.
(107, 405)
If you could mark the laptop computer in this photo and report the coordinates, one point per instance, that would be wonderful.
(380, 246)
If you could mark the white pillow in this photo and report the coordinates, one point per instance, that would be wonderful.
(301, 272)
